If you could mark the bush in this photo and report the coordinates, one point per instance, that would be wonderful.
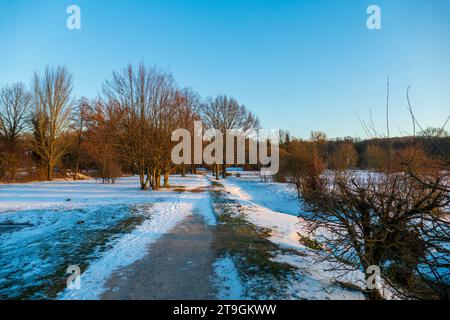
(109, 172)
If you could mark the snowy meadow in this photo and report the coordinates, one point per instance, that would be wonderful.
(105, 228)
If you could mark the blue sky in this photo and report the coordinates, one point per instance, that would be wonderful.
(299, 65)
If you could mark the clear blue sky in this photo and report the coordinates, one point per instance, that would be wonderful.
(299, 65)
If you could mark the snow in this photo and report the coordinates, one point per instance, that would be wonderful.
(128, 249)
(279, 197)
(35, 255)
(227, 281)
(99, 227)
(284, 226)
(75, 194)
(104, 228)
(314, 279)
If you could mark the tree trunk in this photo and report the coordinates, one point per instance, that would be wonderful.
(147, 181)
(49, 172)
(224, 171)
(155, 185)
(149, 178)
(183, 170)
(166, 178)
(224, 165)
(217, 171)
(373, 294)
(158, 179)
(13, 172)
(142, 180)
(77, 163)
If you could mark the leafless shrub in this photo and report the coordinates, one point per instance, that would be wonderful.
(396, 218)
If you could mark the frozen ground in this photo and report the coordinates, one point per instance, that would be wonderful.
(98, 227)
(279, 197)
(112, 230)
(313, 280)
(65, 195)
(227, 280)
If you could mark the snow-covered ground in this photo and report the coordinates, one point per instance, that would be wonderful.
(129, 248)
(65, 195)
(98, 227)
(279, 197)
(227, 280)
(314, 280)
(103, 228)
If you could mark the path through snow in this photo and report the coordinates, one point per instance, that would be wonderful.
(132, 244)
(313, 280)
(179, 265)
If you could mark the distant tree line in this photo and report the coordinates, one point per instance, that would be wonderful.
(371, 153)
(393, 214)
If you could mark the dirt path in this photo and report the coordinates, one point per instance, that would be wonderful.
(177, 266)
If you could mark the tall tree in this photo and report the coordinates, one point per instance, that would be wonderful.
(51, 115)
(146, 99)
(14, 106)
(79, 122)
(189, 112)
(101, 140)
(225, 113)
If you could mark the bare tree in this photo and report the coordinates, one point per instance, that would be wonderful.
(51, 116)
(430, 132)
(146, 99)
(101, 139)
(14, 107)
(189, 112)
(78, 125)
(225, 113)
(128, 90)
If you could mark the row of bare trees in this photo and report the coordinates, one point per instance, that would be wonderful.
(42, 115)
(126, 129)
(143, 106)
